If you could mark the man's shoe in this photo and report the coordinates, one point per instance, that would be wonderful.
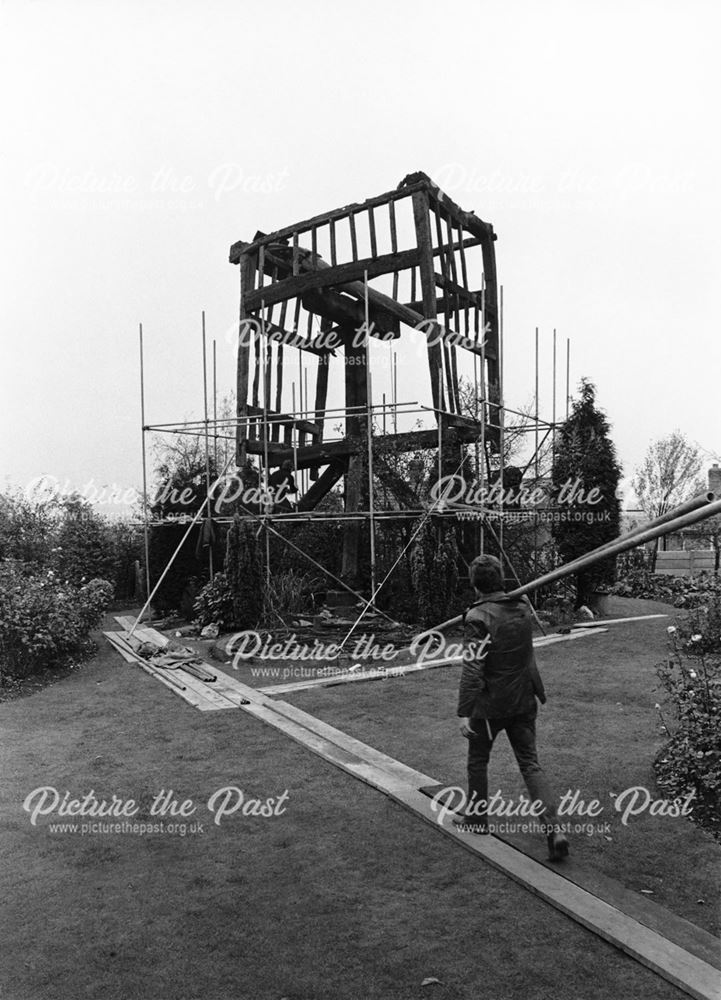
(557, 845)
(469, 824)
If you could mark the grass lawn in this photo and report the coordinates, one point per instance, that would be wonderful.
(598, 733)
(345, 896)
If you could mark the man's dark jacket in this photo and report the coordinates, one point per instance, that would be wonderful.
(503, 679)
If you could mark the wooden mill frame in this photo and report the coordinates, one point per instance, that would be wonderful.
(288, 290)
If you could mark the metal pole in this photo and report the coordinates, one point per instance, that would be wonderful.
(207, 448)
(476, 451)
(395, 392)
(265, 436)
(294, 437)
(306, 416)
(568, 374)
(390, 368)
(215, 406)
(146, 539)
(369, 434)
(481, 472)
(439, 418)
(536, 404)
(535, 460)
(501, 422)
(553, 405)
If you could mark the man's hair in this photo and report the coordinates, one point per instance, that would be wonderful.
(486, 574)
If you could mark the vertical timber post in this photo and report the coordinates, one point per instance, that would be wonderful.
(245, 325)
(428, 292)
(356, 399)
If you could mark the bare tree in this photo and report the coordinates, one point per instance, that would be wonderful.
(669, 474)
(183, 454)
(518, 443)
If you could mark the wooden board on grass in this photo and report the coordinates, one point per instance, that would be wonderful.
(682, 932)
(191, 689)
(674, 963)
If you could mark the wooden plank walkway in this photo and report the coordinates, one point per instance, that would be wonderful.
(401, 669)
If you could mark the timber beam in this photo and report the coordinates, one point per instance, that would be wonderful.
(323, 277)
(456, 431)
(343, 310)
(323, 485)
(285, 420)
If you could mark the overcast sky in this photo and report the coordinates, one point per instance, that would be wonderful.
(141, 139)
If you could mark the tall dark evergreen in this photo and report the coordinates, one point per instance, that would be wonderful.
(585, 477)
(244, 572)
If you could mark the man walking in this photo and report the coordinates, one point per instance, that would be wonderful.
(498, 691)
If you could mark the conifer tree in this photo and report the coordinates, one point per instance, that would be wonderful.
(585, 479)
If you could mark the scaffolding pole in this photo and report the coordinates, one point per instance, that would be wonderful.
(535, 460)
(439, 419)
(207, 444)
(568, 375)
(481, 473)
(553, 405)
(146, 537)
(501, 421)
(265, 432)
(215, 405)
(369, 434)
(395, 392)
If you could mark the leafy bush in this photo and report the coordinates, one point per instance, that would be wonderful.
(83, 547)
(691, 760)
(43, 620)
(67, 535)
(680, 591)
(700, 629)
(27, 528)
(321, 540)
(291, 592)
(214, 604)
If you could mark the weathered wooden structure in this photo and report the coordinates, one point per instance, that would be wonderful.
(313, 286)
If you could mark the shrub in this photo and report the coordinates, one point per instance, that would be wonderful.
(83, 544)
(691, 760)
(291, 592)
(700, 629)
(27, 528)
(69, 537)
(43, 620)
(214, 604)
(682, 592)
(93, 599)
